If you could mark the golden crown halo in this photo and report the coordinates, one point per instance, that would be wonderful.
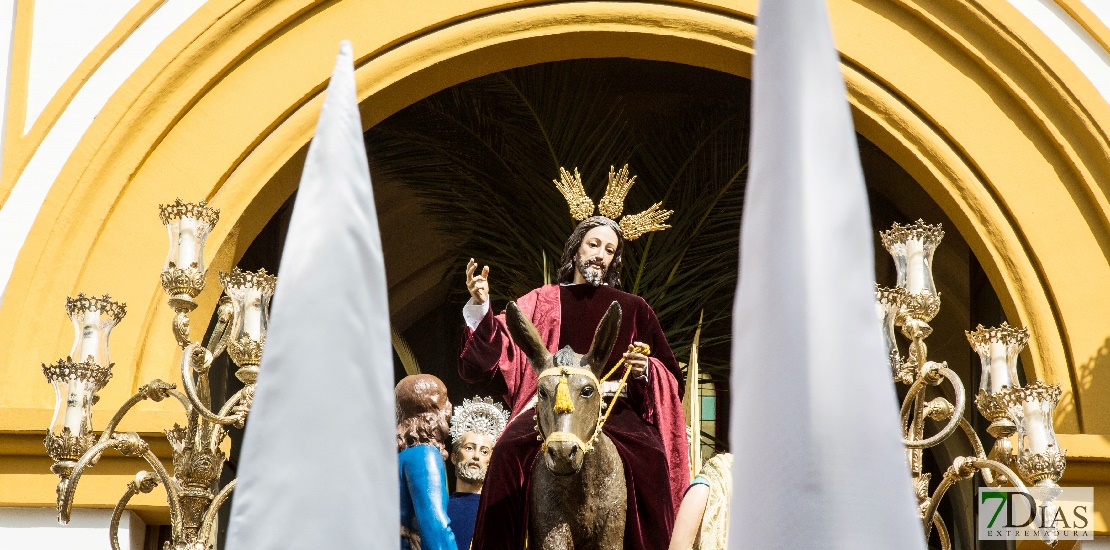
(612, 204)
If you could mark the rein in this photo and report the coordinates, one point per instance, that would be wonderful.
(564, 404)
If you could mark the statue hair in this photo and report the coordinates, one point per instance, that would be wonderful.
(567, 265)
(423, 412)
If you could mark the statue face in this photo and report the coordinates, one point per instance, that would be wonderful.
(472, 457)
(595, 254)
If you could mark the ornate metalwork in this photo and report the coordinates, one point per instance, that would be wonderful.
(238, 278)
(86, 371)
(922, 307)
(1004, 333)
(192, 490)
(570, 185)
(66, 448)
(104, 305)
(246, 352)
(187, 281)
(916, 230)
(178, 209)
(612, 204)
(914, 311)
(652, 219)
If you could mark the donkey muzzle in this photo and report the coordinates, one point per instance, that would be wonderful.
(563, 453)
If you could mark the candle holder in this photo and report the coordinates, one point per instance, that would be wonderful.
(1040, 458)
(998, 349)
(913, 304)
(250, 295)
(192, 490)
(912, 248)
(76, 382)
(188, 225)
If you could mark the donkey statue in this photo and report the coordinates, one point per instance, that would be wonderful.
(578, 494)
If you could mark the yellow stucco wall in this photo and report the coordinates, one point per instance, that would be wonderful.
(977, 105)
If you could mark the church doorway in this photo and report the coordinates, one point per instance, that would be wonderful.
(467, 173)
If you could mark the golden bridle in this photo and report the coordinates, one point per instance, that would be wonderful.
(564, 404)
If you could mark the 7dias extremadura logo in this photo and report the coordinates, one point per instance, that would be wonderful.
(1044, 513)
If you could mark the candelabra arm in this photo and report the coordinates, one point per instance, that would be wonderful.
(942, 533)
(113, 528)
(191, 390)
(225, 312)
(173, 497)
(69, 486)
(931, 377)
(963, 468)
(156, 390)
(181, 328)
(144, 482)
(130, 445)
(213, 510)
(217, 435)
(980, 452)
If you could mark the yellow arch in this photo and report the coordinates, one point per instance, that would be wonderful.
(991, 119)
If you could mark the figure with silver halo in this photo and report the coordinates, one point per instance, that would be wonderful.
(475, 427)
(646, 423)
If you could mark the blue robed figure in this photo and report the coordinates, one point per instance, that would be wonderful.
(423, 411)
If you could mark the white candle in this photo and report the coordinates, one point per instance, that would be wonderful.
(252, 314)
(75, 407)
(90, 336)
(915, 266)
(186, 242)
(1034, 427)
(999, 367)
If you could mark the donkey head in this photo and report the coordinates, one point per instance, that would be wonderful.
(568, 403)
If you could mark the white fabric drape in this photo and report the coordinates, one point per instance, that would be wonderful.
(814, 428)
(318, 468)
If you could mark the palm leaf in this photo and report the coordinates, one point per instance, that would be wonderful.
(404, 352)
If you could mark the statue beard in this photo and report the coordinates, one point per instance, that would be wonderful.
(593, 277)
(463, 471)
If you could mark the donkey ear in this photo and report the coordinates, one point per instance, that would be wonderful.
(526, 337)
(604, 338)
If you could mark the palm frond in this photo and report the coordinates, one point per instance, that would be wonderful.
(404, 352)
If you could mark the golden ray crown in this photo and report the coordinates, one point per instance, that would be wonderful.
(612, 204)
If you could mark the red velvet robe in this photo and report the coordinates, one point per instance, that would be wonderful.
(648, 427)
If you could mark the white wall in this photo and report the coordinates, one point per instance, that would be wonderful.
(63, 33)
(1072, 38)
(19, 211)
(7, 19)
(38, 528)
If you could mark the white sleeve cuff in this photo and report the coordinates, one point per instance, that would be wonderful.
(473, 313)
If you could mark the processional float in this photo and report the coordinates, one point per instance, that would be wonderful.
(193, 492)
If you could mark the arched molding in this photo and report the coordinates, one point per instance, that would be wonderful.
(981, 110)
